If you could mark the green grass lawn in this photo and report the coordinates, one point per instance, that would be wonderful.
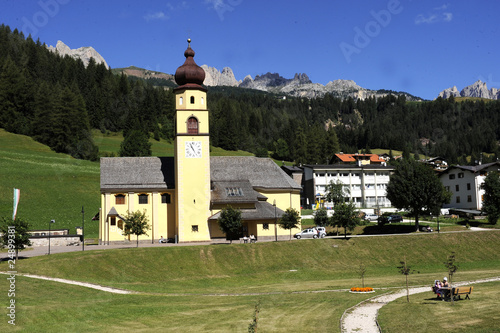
(424, 313)
(301, 285)
(44, 306)
(272, 266)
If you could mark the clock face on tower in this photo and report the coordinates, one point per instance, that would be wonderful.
(193, 149)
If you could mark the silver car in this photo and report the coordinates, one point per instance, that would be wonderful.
(371, 217)
(321, 232)
(307, 233)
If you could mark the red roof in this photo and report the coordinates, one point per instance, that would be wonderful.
(346, 158)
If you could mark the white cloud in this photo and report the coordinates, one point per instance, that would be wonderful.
(156, 16)
(438, 14)
(443, 7)
(420, 19)
(216, 4)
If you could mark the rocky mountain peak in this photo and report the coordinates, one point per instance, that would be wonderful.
(299, 86)
(447, 93)
(83, 53)
(477, 89)
(301, 78)
(215, 78)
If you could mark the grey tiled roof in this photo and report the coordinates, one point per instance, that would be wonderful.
(263, 211)
(122, 173)
(220, 195)
(261, 172)
(473, 169)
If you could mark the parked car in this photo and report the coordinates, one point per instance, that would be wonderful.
(307, 233)
(371, 217)
(395, 218)
(389, 219)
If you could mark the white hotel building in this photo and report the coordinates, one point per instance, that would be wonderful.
(365, 176)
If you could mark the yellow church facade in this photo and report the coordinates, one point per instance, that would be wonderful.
(183, 195)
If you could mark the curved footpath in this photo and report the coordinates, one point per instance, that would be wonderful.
(77, 283)
(362, 318)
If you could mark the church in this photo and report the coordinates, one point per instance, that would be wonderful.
(182, 196)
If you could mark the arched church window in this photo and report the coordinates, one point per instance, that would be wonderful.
(143, 199)
(120, 199)
(180, 100)
(192, 125)
(192, 99)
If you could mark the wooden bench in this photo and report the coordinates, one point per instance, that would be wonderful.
(458, 291)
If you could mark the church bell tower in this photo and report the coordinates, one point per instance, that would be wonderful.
(192, 152)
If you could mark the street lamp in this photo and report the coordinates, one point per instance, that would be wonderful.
(275, 222)
(51, 221)
(83, 229)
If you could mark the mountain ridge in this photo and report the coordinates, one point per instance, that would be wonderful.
(298, 86)
(477, 89)
(84, 53)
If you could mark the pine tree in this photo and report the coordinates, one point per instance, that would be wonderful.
(136, 143)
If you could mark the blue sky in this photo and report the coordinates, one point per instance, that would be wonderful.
(421, 47)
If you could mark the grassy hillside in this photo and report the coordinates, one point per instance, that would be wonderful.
(56, 186)
(109, 145)
(282, 266)
(53, 186)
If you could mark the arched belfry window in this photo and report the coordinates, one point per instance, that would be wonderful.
(180, 100)
(192, 125)
(192, 99)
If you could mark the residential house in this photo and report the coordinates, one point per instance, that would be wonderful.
(464, 182)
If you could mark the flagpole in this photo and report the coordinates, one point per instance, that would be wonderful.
(17, 194)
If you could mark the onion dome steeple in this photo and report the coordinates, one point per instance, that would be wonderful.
(189, 75)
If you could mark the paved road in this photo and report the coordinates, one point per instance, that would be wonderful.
(44, 250)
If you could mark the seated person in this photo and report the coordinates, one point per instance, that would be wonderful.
(252, 238)
(437, 285)
(436, 288)
(245, 239)
(442, 292)
(162, 240)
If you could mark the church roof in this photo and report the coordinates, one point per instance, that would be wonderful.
(240, 191)
(189, 75)
(263, 211)
(158, 173)
(124, 173)
(262, 173)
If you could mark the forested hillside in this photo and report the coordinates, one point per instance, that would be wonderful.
(58, 101)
